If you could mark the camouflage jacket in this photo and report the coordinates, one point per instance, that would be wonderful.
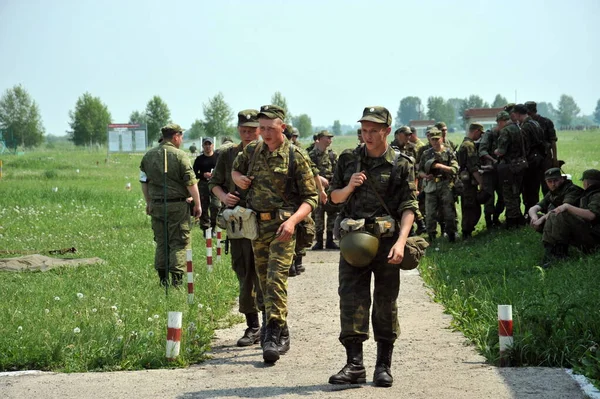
(270, 177)
(399, 194)
(590, 199)
(548, 127)
(325, 161)
(488, 144)
(467, 156)
(567, 193)
(221, 175)
(409, 148)
(446, 157)
(179, 175)
(510, 143)
(533, 134)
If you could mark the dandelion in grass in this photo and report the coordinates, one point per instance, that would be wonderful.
(120, 338)
(150, 333)
(200, 306)
(113, 308)
(102, 298)
(76, 330)
(79, 295)
(20, 328)
(150, 319)
(46, 311)
(192, 326)
(156, 316)
(119, 322)
(57, 298)
(197, 336)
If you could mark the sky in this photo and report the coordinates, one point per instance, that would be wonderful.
(329, 58)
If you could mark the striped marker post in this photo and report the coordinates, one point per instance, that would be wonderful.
(218, 244)
(208, 236)
(190, 276)
(0, 169)
(505, 333)
(173, 335)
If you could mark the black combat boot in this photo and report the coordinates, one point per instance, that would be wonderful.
(452, 237)
(489, 222)
(177, 279)
(319, 244)
(467, 234)
(263, 328)
(284, 340)
(252, 334)
(548, 258)
(561, 251)
(271, 344)
(299, 266)
(162, 275)
(420, 227)
(330, 244)
(382, 377)
(432, 237)
(354, 371)
(293, 272)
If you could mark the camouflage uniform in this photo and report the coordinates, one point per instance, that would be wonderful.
(487, 145)
(271, 256)
(549, 139)
(325, 162)
(438, 191)
(210, 203)
(567, 193)
(510, 147)
(354, 282)
(468, 160)
(536, 153)
(242, 256)
(179, 175)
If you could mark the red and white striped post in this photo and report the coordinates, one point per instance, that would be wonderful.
(505, 333)
(173, 334)
(190, 276)
(208, 236)
(218, 244)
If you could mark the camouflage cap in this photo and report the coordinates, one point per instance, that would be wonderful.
(403, 130)
(295, 131)
(531, 106)
(441, 125)
(502, 116)
(248, 117)
(520, 109)
(434, 132)
(413, 130)
(271, 112)
(552, 173)
(476, 126)
(324, 133)
(376, 114)
(171, 128)
(591, 174)
(509, 107)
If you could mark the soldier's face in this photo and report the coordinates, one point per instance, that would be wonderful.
(375, 135)
(412, 138)
(271, 131)
(247, 134)
(436, 143)
(402, 138)
(326, 141)
(554, 184)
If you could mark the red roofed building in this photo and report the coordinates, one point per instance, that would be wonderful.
(485, 116)
(421, 126)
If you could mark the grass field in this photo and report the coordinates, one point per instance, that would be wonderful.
(112, 316)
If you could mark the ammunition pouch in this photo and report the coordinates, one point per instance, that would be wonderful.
(380, 227)
(239, 222)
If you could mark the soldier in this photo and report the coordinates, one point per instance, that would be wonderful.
(193, 149)
(295, 136)
(438, 168)
(312, 145)
(491, 184)
(282, 192)
(325, 160)
(536, 153)
(468, 163)
(242, 255)
(574, 225)
(359, 137)
(561, 191)
(510, 149)
(167, 181)
(203, 167)
(441, 126)
(509, 108)
(361, 179)
(550, 139)
(413, 138)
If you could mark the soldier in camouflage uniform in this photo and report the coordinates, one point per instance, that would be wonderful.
(441, 126)
(574, 225)
(295, 136)
(358, 174)
(510, 149)
(438, 168)
(242, 255)
(468, 163)
(550, 139)
(166, 195)
(325, 160)
(494, 206)
(561, 191)
(263, 168)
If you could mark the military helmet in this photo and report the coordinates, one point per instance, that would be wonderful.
(429, 164)
(359, 248)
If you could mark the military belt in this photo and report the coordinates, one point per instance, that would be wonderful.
(266, 216)
(157, 201)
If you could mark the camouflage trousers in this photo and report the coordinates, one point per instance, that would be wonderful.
(319, 216)
(440, 200)
(272, 259)
(511, 191)
(242, 262)
(173, 242)
(210, 206)
(566, 228)
(355, 298)
(471, 210)
(491, 184)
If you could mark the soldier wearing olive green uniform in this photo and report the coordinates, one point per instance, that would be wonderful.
(510, 149)
(441, 126)
(166, 194)
(575, 225)
(493, 207)
(468, 164)
(242, 256)
(263, 169)
(549, 138)
(439, 169)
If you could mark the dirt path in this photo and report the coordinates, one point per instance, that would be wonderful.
(429, 360)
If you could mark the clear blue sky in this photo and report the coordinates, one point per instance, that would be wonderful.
(328, 58)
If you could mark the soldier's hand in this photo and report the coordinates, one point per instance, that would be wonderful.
(197, 211)
(324, 182)
(231, 200)
(357, 179)
(285, 231)
(396, 254)
(323, 197)
(244, 182)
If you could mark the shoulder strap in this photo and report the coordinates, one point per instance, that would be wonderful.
(390, 182)
(253, 157)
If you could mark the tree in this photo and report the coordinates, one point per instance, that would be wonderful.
(410, 108)
(20, 116)
(138, 117)
(474, 101)
(303, 124)
(440, 110)
(547, 110)
(217, 117)
(597, 112)
(457, 104)
(89, 121)
(279, 100)
(567, 110)
(196, 131)
(499, 101)
(337, 128)
(157, 116)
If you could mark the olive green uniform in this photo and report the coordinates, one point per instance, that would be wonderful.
(510, 147)
(242, 255)
(533, 135)
(175, 239)
(325, 162)
(354, 282)
(273, 257)
(468, 163)
(494, 207)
